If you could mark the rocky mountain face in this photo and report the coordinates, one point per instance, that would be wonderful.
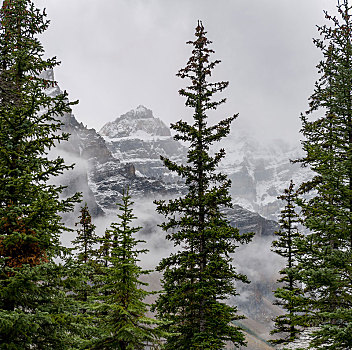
(76, 151)
(138, 137)
(126, 153)
(98, 174)
(259, 172)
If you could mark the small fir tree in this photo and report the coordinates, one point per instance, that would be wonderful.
(34, 312)
(86, 238)
(327, 212)
(120, 306)
(289, 294)
(198, 279)
(85, 268)
(86, 254)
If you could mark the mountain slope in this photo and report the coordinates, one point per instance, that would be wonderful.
(138, 137)
(259, 172)
(98, 174)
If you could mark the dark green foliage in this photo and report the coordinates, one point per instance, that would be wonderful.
(289, 294)
(120, 306)
(34, 313)
(327, 259)
(199, 277)
(85, 245)
(86, 239)
(84, 270)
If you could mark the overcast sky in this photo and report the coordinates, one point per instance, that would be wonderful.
(118, 54)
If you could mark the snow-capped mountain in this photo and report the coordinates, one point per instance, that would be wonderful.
(104, 169)
(259, 172)
(138, 137)
(98, 174)
(136, 123)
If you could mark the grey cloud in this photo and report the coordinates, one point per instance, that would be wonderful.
(117, 54)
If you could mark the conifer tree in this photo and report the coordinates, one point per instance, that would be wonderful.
(85, 270)
(289, 294)
(327, 213)
(86, 254)
(34, 312)
(121, 309)
(199, 277)
(86, 237)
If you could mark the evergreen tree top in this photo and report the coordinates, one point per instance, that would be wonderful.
(198, 69)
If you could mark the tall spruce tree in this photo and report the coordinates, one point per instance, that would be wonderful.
(289, 294)
(199, 277)
(327, 213)
(121, 309)
(34, 313)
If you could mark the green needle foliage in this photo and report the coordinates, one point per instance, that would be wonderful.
(121, 309)
(86, 237)
(289, 294)
(34, 313)
(86, 254)
(199, 277)
(327, 260)
(85, 242)
(84, 266)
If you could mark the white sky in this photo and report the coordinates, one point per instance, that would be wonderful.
(117, 54)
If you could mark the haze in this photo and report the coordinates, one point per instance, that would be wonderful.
(117, 54)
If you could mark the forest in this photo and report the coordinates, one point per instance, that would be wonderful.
(92, 294)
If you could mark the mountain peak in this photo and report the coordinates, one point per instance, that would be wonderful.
(136, 122)
(140, 112)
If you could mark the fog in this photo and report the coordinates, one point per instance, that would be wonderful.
(117, 54)
(254, 259)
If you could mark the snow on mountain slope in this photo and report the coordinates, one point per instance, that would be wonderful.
(138, 137)
(98, 174)
(259, 172)
(137, 123)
